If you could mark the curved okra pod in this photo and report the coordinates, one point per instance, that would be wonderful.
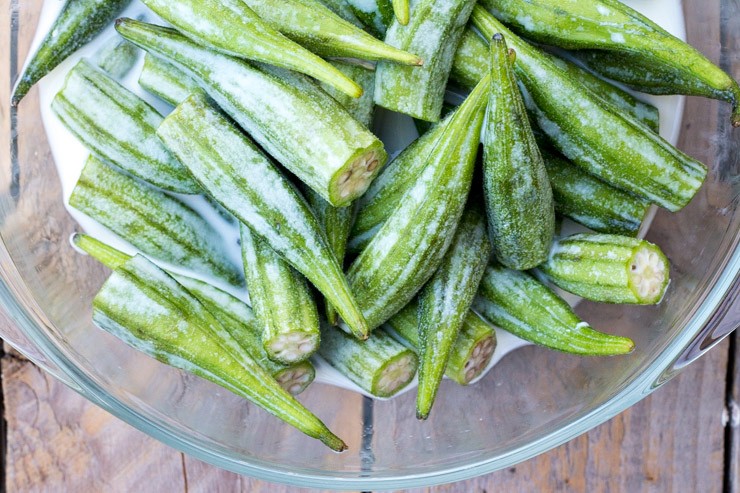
(634, 40)
(119, 127)
(298, 124)
(79, 22)
(444, 303)
(156, 223)
(362, 108)
(231, 27)
(402, 11)
(518, 196)
(615, 147)
(150, 311)
(314, 26)
(471, 353)
(609, 268)
(409, 247)
(380, 366)
(518, 303)
(246, 183)
(433, 33)
(166, 81)
(117, 57)
(235, 315)
(376, 15)
(282, 301)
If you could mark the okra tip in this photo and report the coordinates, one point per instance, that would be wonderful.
(736, 113)
(333, 442)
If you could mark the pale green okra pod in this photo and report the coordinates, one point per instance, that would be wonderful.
(362, 108)
(166, 81)
(116, 57)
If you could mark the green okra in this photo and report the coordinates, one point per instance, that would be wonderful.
(156, 223)
(362, 108)
(471, 353)
(117, 57)
(591, 202)
(343, 10)
(119, 127)
(314, 26)
(282, 302)
(235, 315)
(410, 246)
(518, 303)
(518, 196)
(609, 268)
(246, 183)
(433, 33)
(150, 311)
(298, 124)
(444, 303)
(166, 81)
(380, 366)
(79, 22)
(337, 223)
(612, 146)
(631, 44)
(376, 15)
(402, 10)
(233, 28)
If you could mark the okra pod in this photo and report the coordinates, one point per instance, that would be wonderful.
(380, 366)
(518, 196)
(246, 183)
(362, 108)
(235, 315)
(433, 33)
(376, 15)
(156, 223)
(343, 10)
(299, 125)
(402, 11)
(233, 28)
(79, 22)
(119, 127)
(627, 39)
(409, 247)
(314, 26)
(282, 302)
(520, 304)
(150, 311)
(471, 353)
(609, 268)
(165, 81)
(117, 57)
(444, 303)
(615, 147)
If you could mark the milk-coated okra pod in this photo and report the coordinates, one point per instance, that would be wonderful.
(445, 300)
(79, 22)
(402, 10)
(433, 33)
(380, 366)
(376, 15)
(166, 81)
(156, 223)
(409, 247)
(282, 301)
(362, 108)
(471, 353)
(314, 26)
(666, 64)
(231, 27)
(518, 196)
(150, 311)
(306, 130)
(518, 303)
(117, 57)
(246, 183)
(235, 315)
(119, 127)
(609, 268)
(613, 146)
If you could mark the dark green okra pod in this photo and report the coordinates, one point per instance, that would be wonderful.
(444, 303)
(79, 22)
(156, 223)
(150, 311)
(518, 196)
(376, 15)
(518, 303)
(609, 268)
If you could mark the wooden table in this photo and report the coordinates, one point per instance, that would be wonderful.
(682, 438)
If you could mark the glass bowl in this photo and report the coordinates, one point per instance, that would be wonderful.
(532, 401)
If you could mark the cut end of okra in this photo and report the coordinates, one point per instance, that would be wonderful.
(292, 347)
(397, 373)
(296, 379)
(648, 276)
(353, 180)
(480, 357)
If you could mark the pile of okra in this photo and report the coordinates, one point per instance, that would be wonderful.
(378, 267)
